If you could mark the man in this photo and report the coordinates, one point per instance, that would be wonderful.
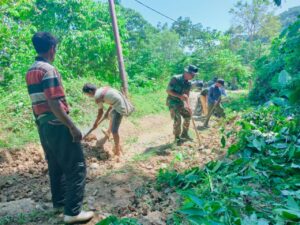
(117, 109)
(214, 97)
(178, 95)
(197, 86)
(59, 136)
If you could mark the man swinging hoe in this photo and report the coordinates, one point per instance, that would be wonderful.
(119, 106)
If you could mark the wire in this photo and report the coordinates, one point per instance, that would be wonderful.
(155, 10)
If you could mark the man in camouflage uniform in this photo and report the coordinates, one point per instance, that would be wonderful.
(178, 94)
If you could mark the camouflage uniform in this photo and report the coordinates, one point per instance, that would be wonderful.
(177, 108)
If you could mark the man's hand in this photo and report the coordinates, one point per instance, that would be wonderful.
(184, 97)
(76, 134)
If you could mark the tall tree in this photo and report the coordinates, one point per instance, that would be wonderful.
(290, 16)
(255, 20)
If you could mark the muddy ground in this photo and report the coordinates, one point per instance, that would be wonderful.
(123, 186)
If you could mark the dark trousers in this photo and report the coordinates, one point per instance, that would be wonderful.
(67, 169)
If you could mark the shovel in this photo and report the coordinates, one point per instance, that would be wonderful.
(92, 129)
(211, 112)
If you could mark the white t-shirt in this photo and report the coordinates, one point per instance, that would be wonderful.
(113, 98)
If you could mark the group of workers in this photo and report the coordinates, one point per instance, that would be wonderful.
(60, 137)
(178, 100)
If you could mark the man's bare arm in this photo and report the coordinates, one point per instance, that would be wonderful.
(183, 97)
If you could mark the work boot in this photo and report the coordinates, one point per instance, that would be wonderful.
(83, 216)
(178, 141)
(186, 136)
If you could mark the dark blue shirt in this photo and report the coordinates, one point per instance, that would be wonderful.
(214, 93)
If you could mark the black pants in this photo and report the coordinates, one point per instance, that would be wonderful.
(67, 169)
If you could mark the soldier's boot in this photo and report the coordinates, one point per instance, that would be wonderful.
(186, 136)
(178, 141)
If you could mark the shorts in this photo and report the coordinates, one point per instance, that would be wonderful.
(116, 119)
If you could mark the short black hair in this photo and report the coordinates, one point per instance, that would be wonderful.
(221, 81)
(89, 88)
(43, 41)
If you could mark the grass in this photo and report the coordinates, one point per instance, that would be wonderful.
(26, 218)
(17, 126)
(237, 101)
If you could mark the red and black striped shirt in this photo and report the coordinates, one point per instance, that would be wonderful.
(43, 83)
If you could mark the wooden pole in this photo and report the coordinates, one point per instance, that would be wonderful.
(211, 112)
(194, 124)
(118, 46)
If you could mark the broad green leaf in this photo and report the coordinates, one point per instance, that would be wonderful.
(292, 204)
(293, 215)
(295, 166)
(280, 145)
(233, 149)
(284, 78)
(193, 212)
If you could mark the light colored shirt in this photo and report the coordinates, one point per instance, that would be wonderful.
(113, 98)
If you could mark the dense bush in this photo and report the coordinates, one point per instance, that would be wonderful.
(257, 183)
(277, 74)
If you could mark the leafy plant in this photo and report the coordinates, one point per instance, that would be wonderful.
(113, 220)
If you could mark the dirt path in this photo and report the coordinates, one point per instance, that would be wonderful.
(122, 186)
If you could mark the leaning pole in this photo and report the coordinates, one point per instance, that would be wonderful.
(118, 46)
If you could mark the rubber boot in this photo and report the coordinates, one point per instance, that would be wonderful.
(178, 141)
(186, 136)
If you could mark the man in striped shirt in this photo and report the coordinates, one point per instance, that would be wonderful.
(59, 136)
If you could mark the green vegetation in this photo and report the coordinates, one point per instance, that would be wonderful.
(277, 73)
(112, 220)
(18, 128)
(257, 183)
(25, 218)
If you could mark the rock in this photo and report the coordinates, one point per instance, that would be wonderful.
(48, 197)
(91, 137)
(6, 157)
(94, 166)
(3, 198)
(154, 217)
(17, 207)
(104, 155)
(37, 159)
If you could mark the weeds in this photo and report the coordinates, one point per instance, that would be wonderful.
(257, 183)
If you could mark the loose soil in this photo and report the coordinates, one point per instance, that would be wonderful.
(123, 186)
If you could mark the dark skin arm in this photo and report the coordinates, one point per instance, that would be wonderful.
(183, 97)
(63, 117)
(99, 116)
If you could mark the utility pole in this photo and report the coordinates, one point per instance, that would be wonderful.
(118, 46)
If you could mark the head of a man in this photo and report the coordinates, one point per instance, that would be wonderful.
(45, 45)
(190, 72)
(89, 89)
(220, 83)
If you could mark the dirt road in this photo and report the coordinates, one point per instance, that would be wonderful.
(122, 186)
